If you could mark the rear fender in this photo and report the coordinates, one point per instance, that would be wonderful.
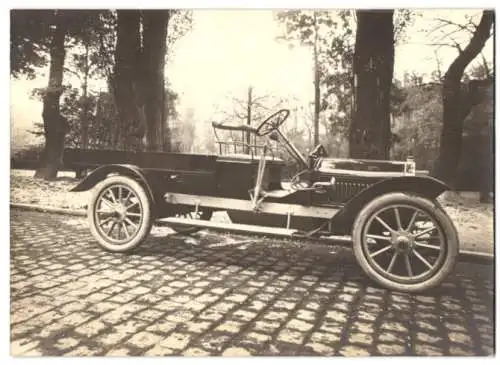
(102, 172)
(424, 186)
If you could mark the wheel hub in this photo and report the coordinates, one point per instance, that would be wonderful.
(120, 212)
(403, 242)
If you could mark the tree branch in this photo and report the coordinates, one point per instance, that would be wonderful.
(474, 47)
(457, 45)
(439, 45)
(447, 35)
(261, 97)
(74, 73)
(461, 26)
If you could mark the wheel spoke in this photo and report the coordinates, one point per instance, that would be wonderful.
(125, 229)
(381, 221)
(112, 195)
(376, 253)
(425, 231)
(131, 214)
(421, 258)
(420, 244)
(130, 223)
(393, 261)
(125, 200)
(102, 223)
(398, 218)
(131, 205)
(107, 212)
(408, 265)
(378, 237)
(120, 194)
(412, 221)
(111, 229)
(108, 203)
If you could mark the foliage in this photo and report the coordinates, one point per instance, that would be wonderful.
(30, 33)
(180, 24)
(338, 82)
(480, 71)
(90, 44)
(403, 19)
(101, 116)
(29, 40)
(418, 125)
(332, 34)
(183, 133)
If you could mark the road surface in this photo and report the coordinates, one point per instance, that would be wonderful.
(203, 295)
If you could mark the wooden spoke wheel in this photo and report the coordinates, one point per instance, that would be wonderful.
(202, 214)
(405, 242)
(120, 214)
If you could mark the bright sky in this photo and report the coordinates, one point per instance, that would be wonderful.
(228, 50)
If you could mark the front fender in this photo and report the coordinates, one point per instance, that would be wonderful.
(102, 172)
(424, 186)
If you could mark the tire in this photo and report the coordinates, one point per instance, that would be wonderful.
(183, 230)
(381, 255)
(102, 216)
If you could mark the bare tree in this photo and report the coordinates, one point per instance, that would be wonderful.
(457, 103)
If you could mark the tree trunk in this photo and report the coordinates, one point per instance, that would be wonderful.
(487, 179)
(249, 118)
(132, 125)
(55, 125)
(85, 109)
(454, 108)
(155, 24)
(317, 93)
(167, 135)
(370, 133)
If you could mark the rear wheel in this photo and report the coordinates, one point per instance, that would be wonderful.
(120, 214)
(404, 242)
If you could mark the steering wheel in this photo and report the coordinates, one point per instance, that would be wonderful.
(273, 122)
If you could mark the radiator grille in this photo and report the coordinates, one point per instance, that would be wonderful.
(344, 189)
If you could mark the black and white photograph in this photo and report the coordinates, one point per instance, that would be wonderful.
(252, 182)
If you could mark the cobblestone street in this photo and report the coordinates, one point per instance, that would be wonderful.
(192, 296)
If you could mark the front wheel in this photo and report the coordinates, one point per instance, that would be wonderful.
(120, 214)
(405, 242)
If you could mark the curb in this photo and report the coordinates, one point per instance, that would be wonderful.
(464, 255)
(476, 257)
(45, 209)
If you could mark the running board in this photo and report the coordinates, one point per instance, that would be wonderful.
(246, 229)
(469, 256)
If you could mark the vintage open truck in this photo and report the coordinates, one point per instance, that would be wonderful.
(401, 236)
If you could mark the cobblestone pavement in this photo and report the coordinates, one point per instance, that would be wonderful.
(193, 296)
